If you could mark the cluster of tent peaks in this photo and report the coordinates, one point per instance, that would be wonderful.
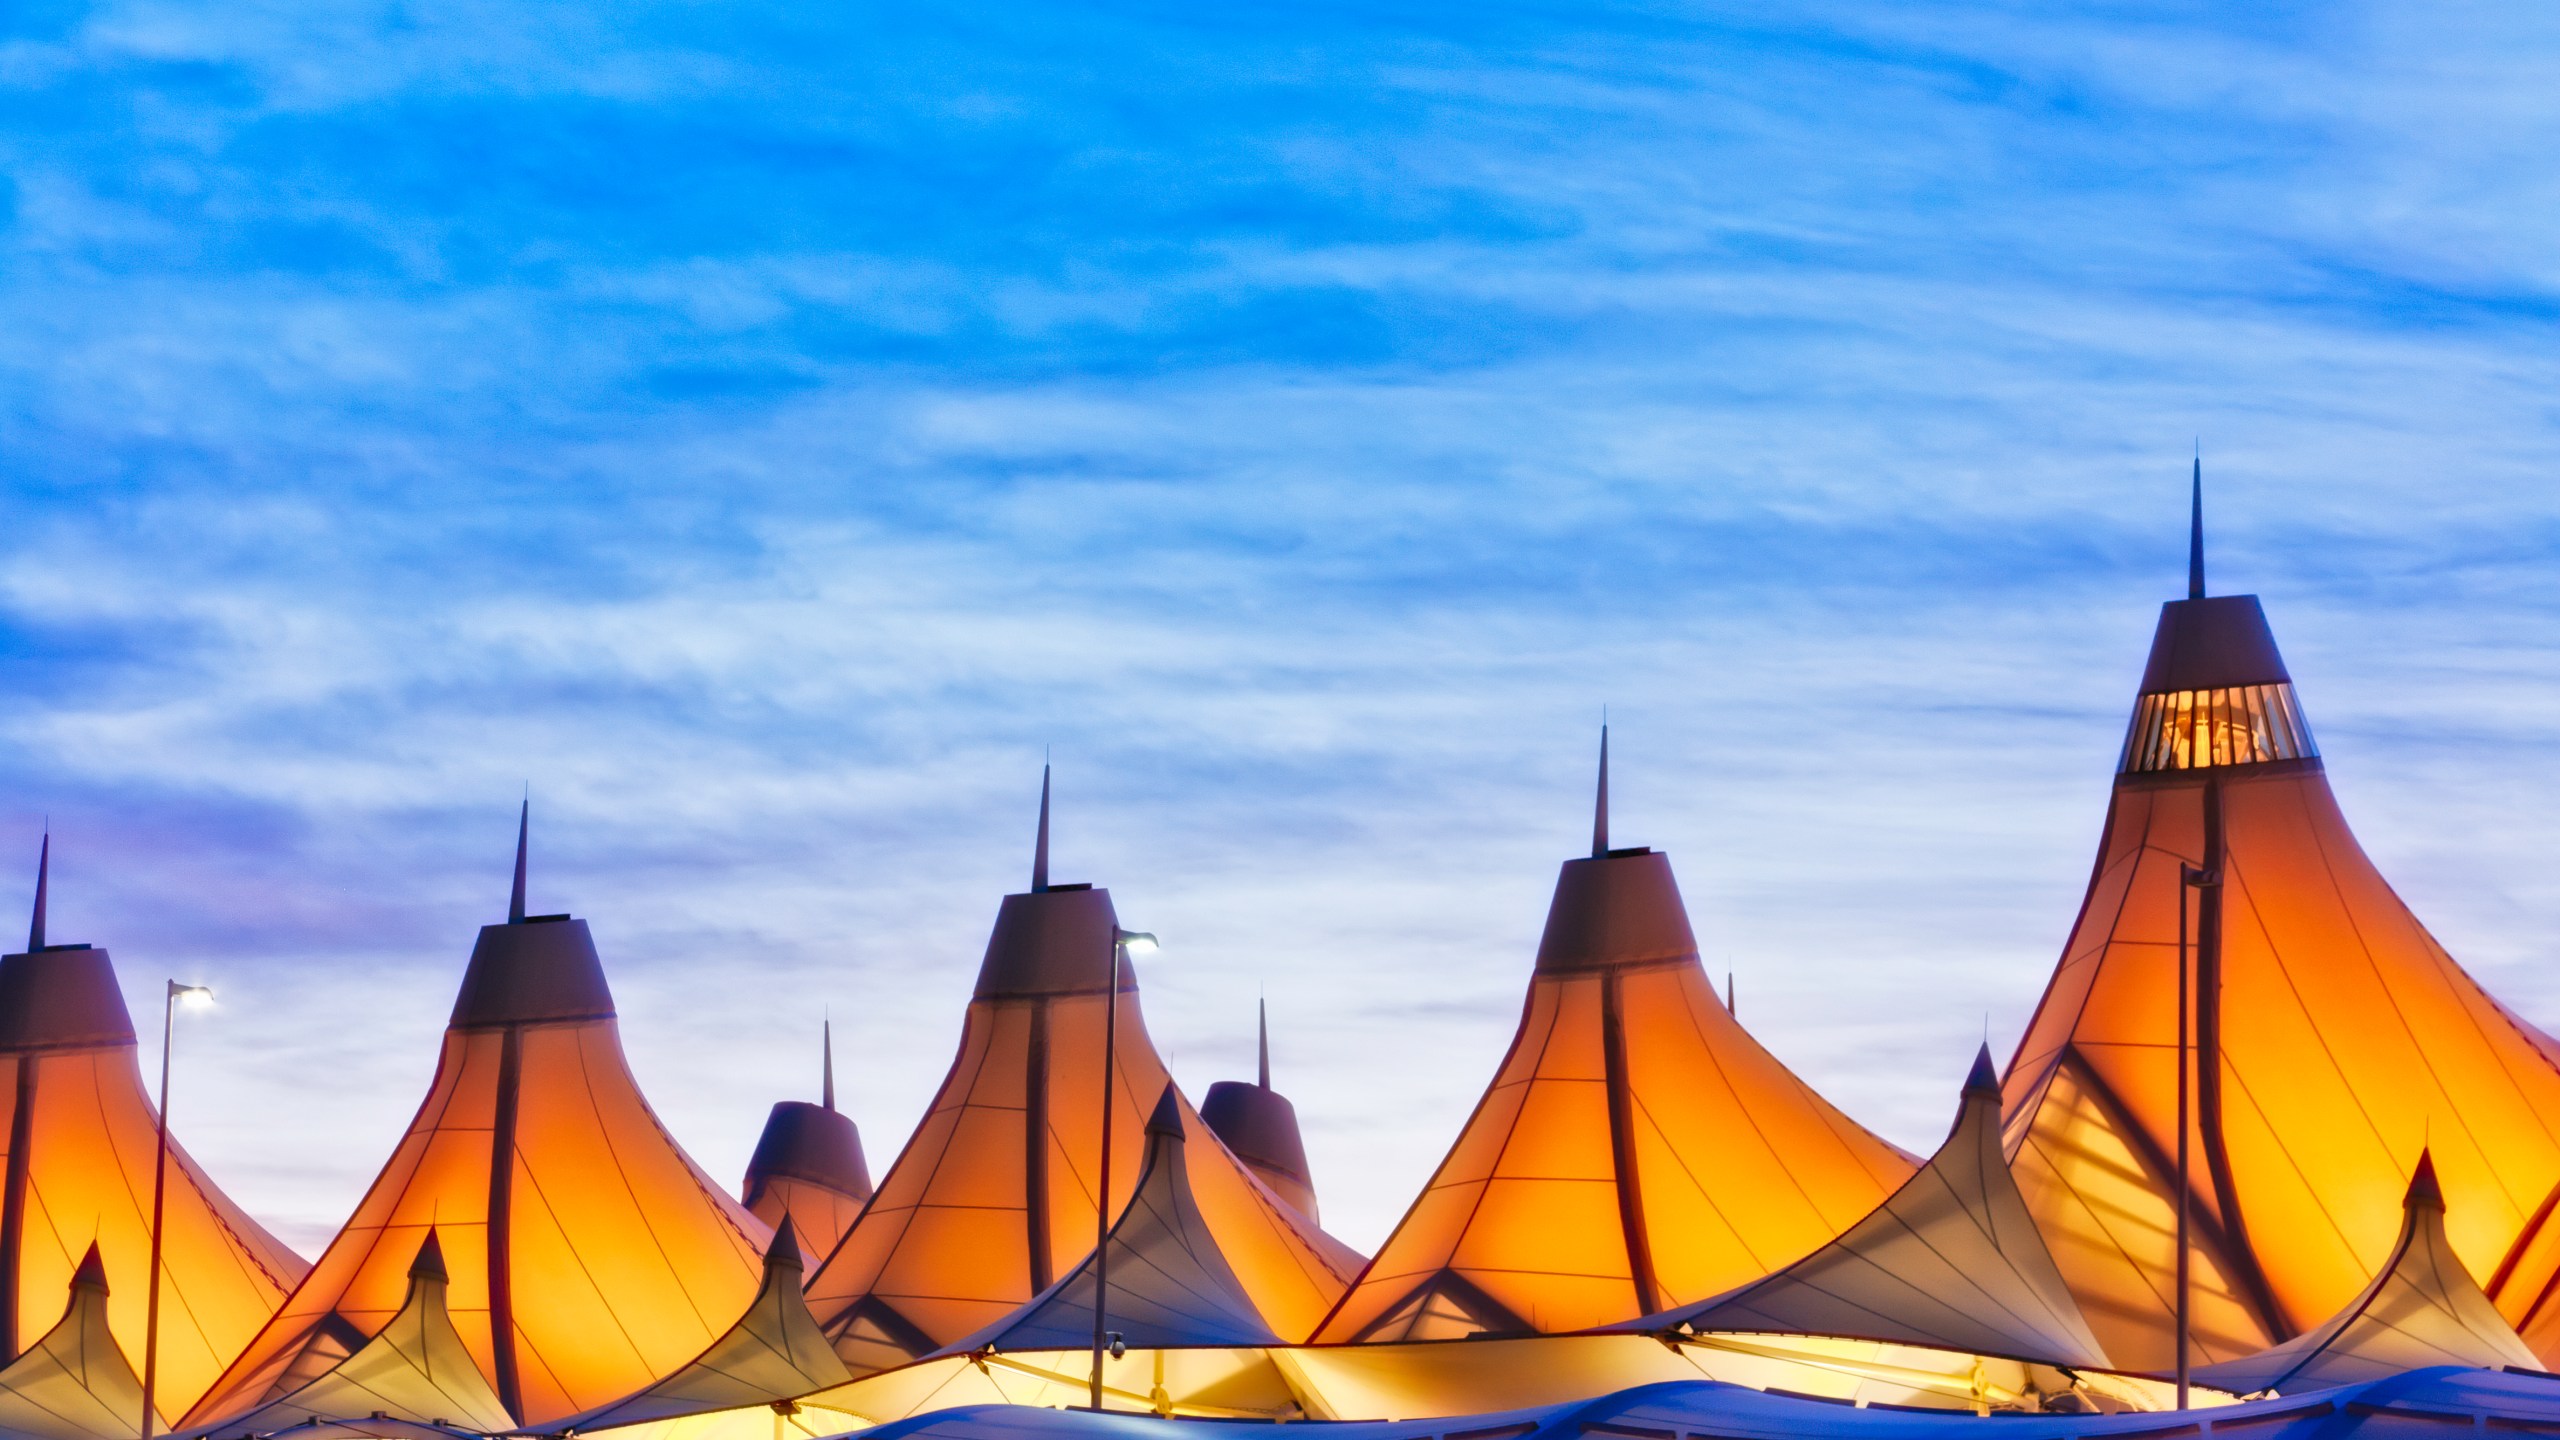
(2370, 1164)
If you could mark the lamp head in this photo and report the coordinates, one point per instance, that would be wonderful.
(1135, 942)
(194, 997)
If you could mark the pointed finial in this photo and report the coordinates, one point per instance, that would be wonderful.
(1167, 1119)
(1985, 1078)
(1728, 992)
(2195, 534)
(1600, 809)
(827, 1063)
(2423, 1189)
(784, 1252)
(1263, 1009)
(1040, 845)
(429, 1265)
(92, 1274)
(44, 866)
(524, 825)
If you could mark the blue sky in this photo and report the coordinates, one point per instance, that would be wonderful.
(766, 429)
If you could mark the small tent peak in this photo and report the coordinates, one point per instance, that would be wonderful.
(1040, 841)
(524, 826)
(1600, 806)
(429, 1264)
(92, 1274)
(2195, 533)
(44, 865)
(1984, 1078)
(1167, 1119)
(784, 1252)
(2423, 1189)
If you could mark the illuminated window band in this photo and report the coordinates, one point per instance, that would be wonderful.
(2195, 729)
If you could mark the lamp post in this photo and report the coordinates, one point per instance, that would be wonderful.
(1122, 942)
(2199, 879)
(194, 995)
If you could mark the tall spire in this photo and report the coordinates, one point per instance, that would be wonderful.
(1262, 1010)
(515, 901)
(44, 864)
(1600, 810)
(827, 1063)
(2195, 535)
(1040, 846)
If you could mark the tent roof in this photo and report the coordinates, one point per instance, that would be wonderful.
(2423, 1309)
(74, 1383)
(1951, 1260)
(774, 1352)
(1636, 1150)
(416, 1370)
(1170, 1286)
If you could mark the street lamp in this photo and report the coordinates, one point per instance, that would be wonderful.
(1123, 943)
(196, 997)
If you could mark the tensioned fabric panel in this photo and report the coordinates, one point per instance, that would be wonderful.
(946, 1247)
(626, 1259)
(2349, 1040)
(2423, 1309)
(91, 1140)
(1739, 1166)
(1952, 1261)
(74, 1383)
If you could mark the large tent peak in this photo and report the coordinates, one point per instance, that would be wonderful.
(429, 1265)
(2195, 533)
(1040, 840)
(35, 923)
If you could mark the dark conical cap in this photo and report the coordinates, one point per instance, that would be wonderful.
(1167, 1119)
(2424, 1192)
(533, 968)
(429, 1264)
(1984, 1078)
(92, 1274)
(59, 997)
(2210, 644)
(1621, 908)
(809, 1142)
(783, 1253)
(1260, 1126)
(1051, 940)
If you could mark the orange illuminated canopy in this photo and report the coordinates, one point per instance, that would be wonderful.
(2332, 1037)
(995, 1195)
(82, 1139)
(588, 1255)
(1637, 1149)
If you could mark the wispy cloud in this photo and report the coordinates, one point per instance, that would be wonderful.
(765, 431)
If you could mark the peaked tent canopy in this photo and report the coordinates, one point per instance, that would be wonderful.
(82, 1140)
(2423, 1309)
(774, 1353)
(1260, 1125)
(1637, 1150)
(1951, 1260)
(1168, 1286)
(417, 1369)
(2332, 1035)
(74, 1383)
(993, 1198)
(589, 1254)
(807, 1169)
